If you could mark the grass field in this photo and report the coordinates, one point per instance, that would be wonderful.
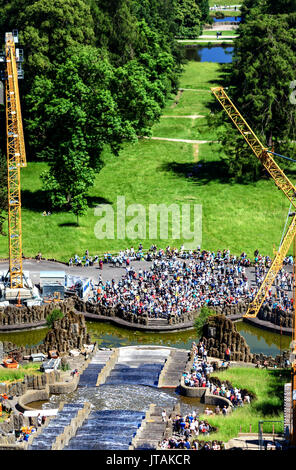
(230, 32)
(234, 216)
(268, 387)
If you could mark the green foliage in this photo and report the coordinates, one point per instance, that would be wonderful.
(201, 319)
(204, 9)
(46, 29)
(97, 75)
(268, 388)
(56, 314)
(188, 18)
(259, 84)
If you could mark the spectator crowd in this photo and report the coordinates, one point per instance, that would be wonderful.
(179, 281)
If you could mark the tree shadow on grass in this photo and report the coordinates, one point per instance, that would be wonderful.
(276, 389)
(200, 173)
(36, 201)
(93, 201)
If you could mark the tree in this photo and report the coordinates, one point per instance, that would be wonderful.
(46, 30)
(204, 9)
(263, 68)
(188, 18)
(55, 315)
(201, 319)
(76, 115)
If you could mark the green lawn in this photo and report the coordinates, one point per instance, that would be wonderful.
(234, 216)
(268, 387)
(224, 2)
(231, 32)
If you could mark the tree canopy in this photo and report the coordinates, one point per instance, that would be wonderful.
(259, 81)
(97, 74)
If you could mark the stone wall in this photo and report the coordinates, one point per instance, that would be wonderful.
(36, 314)
(67, 333)
(13, 317)
(219, 333)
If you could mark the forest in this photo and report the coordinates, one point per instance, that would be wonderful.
(98, 74)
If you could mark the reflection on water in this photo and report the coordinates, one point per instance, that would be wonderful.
(109, 336)
(28, 338)
(263, 341)
(217, 54)
(233, 19)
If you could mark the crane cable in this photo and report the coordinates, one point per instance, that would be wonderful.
(282, 156)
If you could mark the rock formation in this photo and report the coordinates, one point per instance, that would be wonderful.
(220, 332)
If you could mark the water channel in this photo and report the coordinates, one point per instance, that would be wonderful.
(109, 336)
(232, 19)
(138, 397)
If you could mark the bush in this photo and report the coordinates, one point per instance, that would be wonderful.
(56, 314)
(204, 314)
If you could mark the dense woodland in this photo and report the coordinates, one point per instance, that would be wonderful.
(259, 78)
(98, 73)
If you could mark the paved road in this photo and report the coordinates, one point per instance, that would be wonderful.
(107, 273)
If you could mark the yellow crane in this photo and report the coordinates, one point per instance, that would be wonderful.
(16, 157)
(283, 183)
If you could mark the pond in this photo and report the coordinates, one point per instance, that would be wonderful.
(108, 336)
(217, 54)
(233, 19)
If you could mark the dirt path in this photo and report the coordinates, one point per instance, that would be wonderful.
(186, 141)
(192, 116)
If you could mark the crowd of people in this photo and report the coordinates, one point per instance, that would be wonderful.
(185, 431)
(180, 281)
(199, 376)
(178, 443)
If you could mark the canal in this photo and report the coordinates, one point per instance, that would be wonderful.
(109, 336)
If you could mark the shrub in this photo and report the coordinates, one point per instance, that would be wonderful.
(204, 314)
(56, 314)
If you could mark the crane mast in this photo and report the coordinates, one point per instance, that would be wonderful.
(289, 190)
(282, 182)
(16, 158)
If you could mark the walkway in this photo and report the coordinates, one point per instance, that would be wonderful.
(186, 141)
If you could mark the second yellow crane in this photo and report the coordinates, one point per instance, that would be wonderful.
(282, 182)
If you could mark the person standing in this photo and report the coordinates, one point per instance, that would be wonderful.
(227, 354)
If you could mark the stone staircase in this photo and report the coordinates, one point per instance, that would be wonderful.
(157, 322)
(90, 375)
(47, 436)
(138, 366)
(173, 369)
(107, 430)
(151, 432)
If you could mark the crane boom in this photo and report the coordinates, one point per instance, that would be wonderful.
(280, 180)
(16, 157)
(259, 150)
